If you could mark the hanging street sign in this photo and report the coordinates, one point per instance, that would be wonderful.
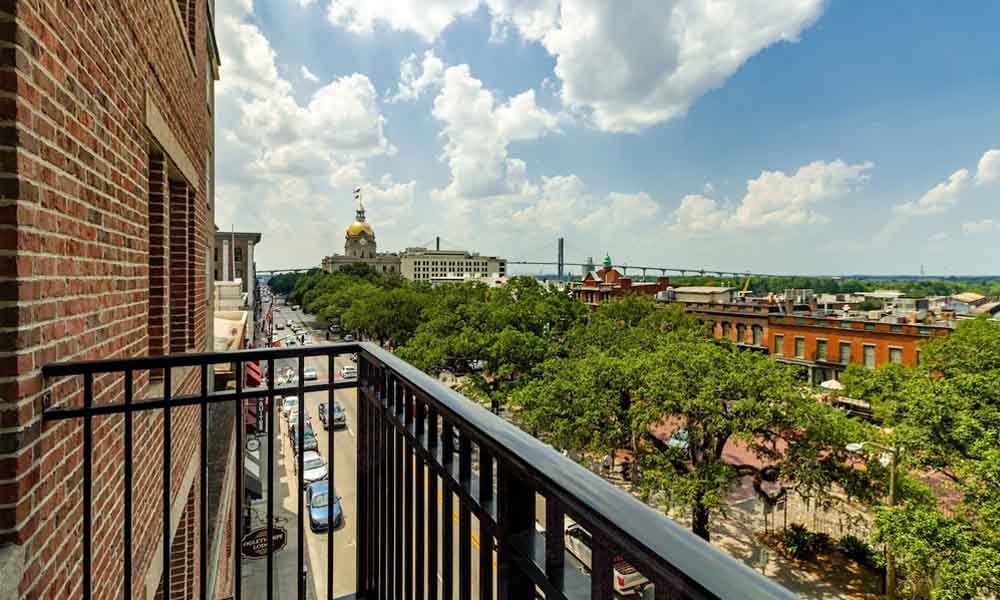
(255, 543)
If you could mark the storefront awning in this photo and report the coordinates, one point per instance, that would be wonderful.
(253, 374)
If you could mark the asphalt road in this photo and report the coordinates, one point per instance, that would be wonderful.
(344, 477)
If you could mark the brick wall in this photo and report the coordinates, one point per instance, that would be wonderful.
(102, 103)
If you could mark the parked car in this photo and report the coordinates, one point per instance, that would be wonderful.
(348, 372)
(324, 504)
(279, 326)
(627, 580)
(295, 307)
(309, 442)
(348, 338)
(289, 403)
(313, 467)
(309, 374)
(338, 420)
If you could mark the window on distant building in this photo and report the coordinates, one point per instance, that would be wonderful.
(800, 347)
(741, 333)
(238, 252)
(725, 330)
(845, 352)
(779, 345)
(758, 335)
(869, 356)
(918, 357)
(820, 349)
(896, 355)
(217, 257)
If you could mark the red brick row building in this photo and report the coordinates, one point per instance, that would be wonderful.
(607, 283)
(822, 344)
(106, 188)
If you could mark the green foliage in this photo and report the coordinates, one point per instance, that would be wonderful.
(857, 550)
(284, 282)
(802, 544)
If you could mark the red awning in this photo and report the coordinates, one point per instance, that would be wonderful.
(253, 375)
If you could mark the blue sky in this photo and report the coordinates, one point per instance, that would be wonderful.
(783, 136)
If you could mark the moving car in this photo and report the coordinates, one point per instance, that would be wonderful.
(309, 374)
(627, 580)
(319, 498)
(349, 372)
(338, 420)
(313, 467)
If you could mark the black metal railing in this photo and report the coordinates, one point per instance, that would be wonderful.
(418, 441)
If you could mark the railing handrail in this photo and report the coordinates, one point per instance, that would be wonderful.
(657, 544)
(641, 526)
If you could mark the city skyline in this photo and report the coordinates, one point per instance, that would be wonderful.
(835, 138)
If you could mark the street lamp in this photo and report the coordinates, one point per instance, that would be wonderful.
(890, 561)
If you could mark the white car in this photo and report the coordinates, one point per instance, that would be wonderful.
(349, 372)
(313, 467)
(279, 326)
(309, 374)
(288, 404)
(627, 580)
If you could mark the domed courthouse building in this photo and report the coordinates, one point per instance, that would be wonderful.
(360, 247)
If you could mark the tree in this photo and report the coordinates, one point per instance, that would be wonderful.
(718, 394)
(948, 417)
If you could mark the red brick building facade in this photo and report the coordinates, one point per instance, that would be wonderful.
(105, 185)
(608, 283)
(825, 345)
(743, 324)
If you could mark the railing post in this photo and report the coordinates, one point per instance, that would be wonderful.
(515, 522)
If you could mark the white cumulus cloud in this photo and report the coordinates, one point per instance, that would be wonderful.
(988, 170)
(477, 129)
(938, 199)
(417, 75)
(426, 18)
(775, 199)
(628, 65)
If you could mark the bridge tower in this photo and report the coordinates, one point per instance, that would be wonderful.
(561, 260)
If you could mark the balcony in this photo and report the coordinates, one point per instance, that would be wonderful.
(414, 438)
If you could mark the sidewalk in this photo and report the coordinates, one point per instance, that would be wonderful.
(736, 534)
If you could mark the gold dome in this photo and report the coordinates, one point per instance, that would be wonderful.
(357, 227)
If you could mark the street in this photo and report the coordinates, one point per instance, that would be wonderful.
(344, 475)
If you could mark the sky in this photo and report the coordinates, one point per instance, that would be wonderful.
(772, 136)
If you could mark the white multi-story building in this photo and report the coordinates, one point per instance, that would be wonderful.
(437, 266)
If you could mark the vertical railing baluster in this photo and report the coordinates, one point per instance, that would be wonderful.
(385, 493)
(555, 541)
(397, 454)
(88, 483)
(516, 519)
(363, 479)
(447, 512)
(167, 443)
(240, 426)
(272, 424)
(331, 401)
(432, 508)
(486, 524)
(601, 570)
(408, 545)
(127, 509)
(464, 517)
(203, 487)
(420, 512)
(301, 435)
